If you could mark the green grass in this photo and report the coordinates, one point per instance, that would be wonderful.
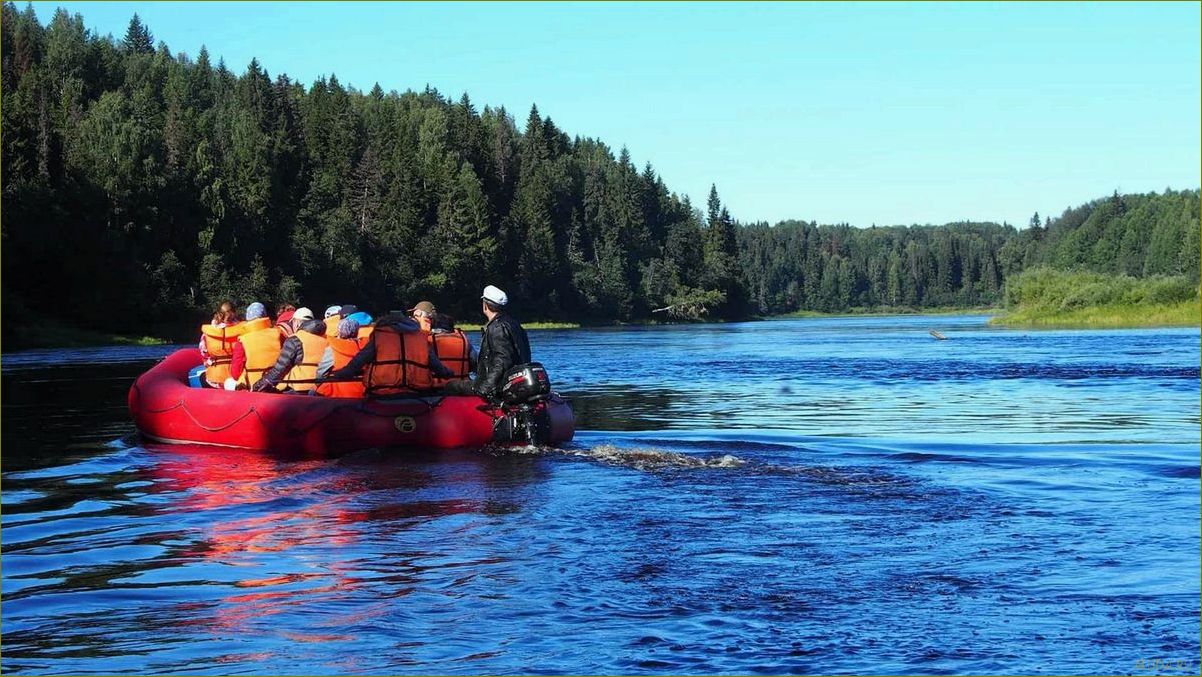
(53, 335)
(468, 326)
(857, 312)
(1047, 298)
(1108, 316)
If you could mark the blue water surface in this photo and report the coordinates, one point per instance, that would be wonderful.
(844, 495)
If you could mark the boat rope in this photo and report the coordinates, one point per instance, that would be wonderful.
(426, 409)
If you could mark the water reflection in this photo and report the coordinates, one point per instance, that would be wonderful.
(252, 517)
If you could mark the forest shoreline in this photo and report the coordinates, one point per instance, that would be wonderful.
(1185, 314)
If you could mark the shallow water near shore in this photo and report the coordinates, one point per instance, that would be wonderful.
(826, 495)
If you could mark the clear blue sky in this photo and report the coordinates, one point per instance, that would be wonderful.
(864, 113)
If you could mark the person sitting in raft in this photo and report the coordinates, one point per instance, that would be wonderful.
(452, 346)
(423, 315)
(352, 312)
(217, 340)
(503, 344)
(332, 317)
(342, 349)
(296, 366)
(283, 320)
(396, 360)
(257, 348)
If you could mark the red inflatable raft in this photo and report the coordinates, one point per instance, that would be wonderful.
(165, 409)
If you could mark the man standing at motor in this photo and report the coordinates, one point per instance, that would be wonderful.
(503, 344)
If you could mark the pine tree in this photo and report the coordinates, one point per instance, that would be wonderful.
(138, 39)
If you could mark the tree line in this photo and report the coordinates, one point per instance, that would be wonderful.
(141, 187)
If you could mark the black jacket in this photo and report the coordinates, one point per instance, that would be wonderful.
(503, 344)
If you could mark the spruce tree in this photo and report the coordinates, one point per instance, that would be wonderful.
(138, 39)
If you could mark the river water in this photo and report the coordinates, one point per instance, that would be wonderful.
(793, 496)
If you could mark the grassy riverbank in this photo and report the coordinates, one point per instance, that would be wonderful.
(55, 335)
(882, 311)
(1046, 298)
(469, 326)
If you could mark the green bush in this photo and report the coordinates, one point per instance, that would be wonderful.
(1050, 297)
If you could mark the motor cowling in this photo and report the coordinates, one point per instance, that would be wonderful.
(525, 383)
(525, 389)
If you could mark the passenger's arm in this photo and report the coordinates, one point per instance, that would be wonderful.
(289, 356)
(326, 363)
(237, 361)
(437, 367)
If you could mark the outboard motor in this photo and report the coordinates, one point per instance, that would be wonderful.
(525, 390)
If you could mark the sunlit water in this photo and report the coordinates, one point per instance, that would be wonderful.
(805, 496)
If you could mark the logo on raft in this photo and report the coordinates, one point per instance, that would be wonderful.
(405, 424)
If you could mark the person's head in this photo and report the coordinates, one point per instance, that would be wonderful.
(443, 322)
(348, 328)
(333, 310)
(423, 312)
(312, 326)
(493, 301)
(300, 316)
(359, 316)
(226, 314)
(256, 310)
(284, 308)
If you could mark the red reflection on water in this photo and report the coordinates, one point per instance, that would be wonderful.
(290, 531)
(248, 485)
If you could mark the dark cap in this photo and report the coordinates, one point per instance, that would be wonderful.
(424, 306)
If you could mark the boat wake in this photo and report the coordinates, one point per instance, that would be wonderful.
(638, 458)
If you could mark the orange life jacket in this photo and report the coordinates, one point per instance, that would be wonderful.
(332, 326)
(301, 376)
(219, 344)
(285, 329)
(402, 363)
(344, 350)
(364, 332)
(262, 350)
(454, 351)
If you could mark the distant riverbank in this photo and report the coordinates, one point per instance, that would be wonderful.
(50, 334)
(886, 311)
(1050, 299)
(1109, 316)
(1104, 316)
(60, 335)
(469, 326)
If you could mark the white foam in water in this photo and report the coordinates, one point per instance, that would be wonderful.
(639, 458)
(645, 458)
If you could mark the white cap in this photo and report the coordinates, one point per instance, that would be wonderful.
(495, 295)
(302, 314)
(333, 310)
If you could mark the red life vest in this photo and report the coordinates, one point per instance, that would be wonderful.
(401, 365)
(454, 351)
